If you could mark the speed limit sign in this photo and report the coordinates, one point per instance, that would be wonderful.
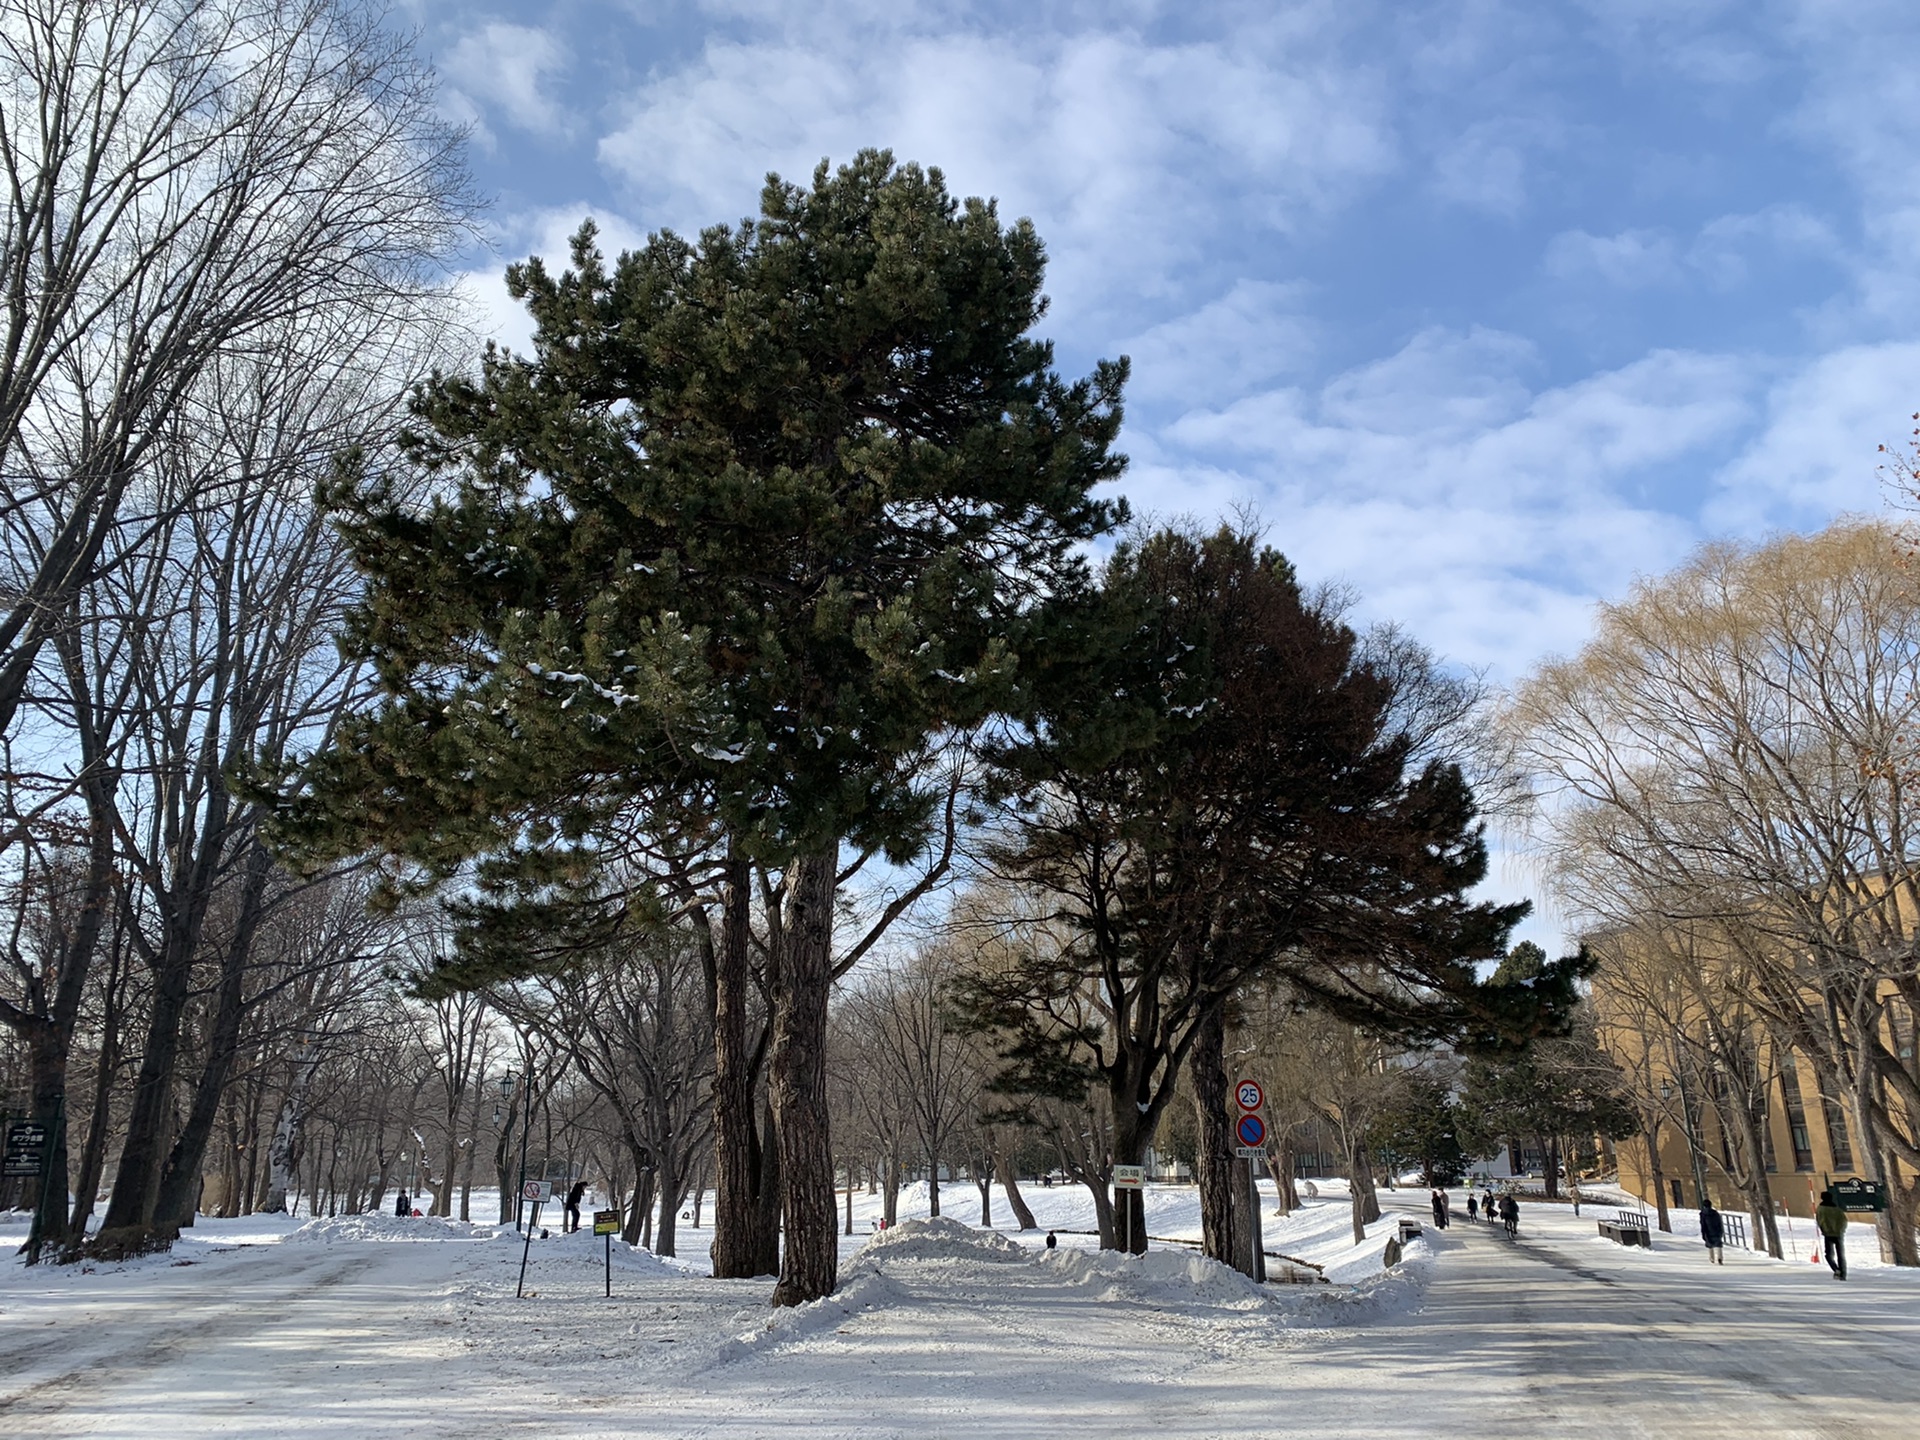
(1249, 1094)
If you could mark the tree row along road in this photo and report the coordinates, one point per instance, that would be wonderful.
(1545, 1336)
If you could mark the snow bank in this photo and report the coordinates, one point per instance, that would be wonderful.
(1180, 1278)
(869, 1290)
(336, 1229)
(941, 1239)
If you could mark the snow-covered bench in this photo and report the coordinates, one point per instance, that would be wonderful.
(1629, 1227)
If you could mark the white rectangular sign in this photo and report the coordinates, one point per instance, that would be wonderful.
(538, 1191)
(1129, 1177)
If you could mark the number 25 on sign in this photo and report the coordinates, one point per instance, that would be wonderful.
(1249, 1094)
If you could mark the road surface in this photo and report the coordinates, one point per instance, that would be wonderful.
(1553, 1335)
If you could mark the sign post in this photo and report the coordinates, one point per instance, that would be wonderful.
(1132, 1177)
(536, 1193)
(1251, 1132)
(29, 1151)
(607, 1223)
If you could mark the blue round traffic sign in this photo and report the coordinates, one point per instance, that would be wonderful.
(1252, 1130)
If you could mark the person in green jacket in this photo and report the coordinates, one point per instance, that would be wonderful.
(1831, 1221)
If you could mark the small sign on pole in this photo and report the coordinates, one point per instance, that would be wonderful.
(607, 1223)
(1129, 1177)
(1859, 1196)
(1249, 1095)
(538, 1191)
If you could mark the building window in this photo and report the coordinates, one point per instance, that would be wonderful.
(1796, 1115)
(1900, 1022)
(1837, 1133)
(1679, 1195)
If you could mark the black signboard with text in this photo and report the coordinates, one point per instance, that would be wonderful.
(1860, 1195)
(26, 1148)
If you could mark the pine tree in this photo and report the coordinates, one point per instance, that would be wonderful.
(761, 515)
(1216, 791)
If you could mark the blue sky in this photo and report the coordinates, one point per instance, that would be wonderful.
(1483, 307)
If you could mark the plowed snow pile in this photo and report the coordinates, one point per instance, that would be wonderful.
(1170, 1277)
(940, 1239)
(335, 1229)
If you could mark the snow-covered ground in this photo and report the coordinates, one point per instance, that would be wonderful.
(380, 1326)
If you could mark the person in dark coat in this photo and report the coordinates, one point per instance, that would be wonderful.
(1510, 1215)
(1713, 1231)
(1439, 1200)
(1473, 1206)
(1831, 1221)
(403, 1204)
(1051, 1242)
(574, 1197)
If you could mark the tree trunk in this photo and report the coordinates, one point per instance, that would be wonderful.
(983, 1181)
(1003, 1166)
(666, 1235)
(850, 1179)
(736, 1248)
(809, 1256)
(1222, 1233)
(1103, 1217)
(767, 1192)
(1659, 1174)
(933, 1187)
(180, 1181)
(1365, 1204)
(890, 1203)
(283, 1155)
(128, 1224)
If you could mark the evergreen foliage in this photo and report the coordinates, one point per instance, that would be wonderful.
(760, 514)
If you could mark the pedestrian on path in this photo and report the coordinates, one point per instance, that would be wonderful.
(1051, 1242)
(1713, 1231)
(1510, 1215)
(1573, 1193)
(574, 1197)
(403, 1204)
(1832, 1223)
(1439, 1200)
(1473, 1207)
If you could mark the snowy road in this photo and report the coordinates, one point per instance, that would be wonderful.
(1556, 1335)
(1568, 1336)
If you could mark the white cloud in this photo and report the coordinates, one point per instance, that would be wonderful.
(1458, 496)
(1630, 260)
(506, 68)
(1129, 156)
(1817, 453)
(1249, 337)
(1485, 167)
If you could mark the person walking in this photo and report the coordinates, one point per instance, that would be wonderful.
(574, 1197)
(1051, 1242)
(1510, 1215)
(1573, 1194)
(1831, 1221)
(1713, 1232)
(403, 1204)
(1439, 1202)
(1473, 1206)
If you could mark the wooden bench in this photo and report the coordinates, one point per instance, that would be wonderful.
(1628, 1227)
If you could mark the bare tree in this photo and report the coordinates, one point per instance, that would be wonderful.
(183, 178)
(1733, 750)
